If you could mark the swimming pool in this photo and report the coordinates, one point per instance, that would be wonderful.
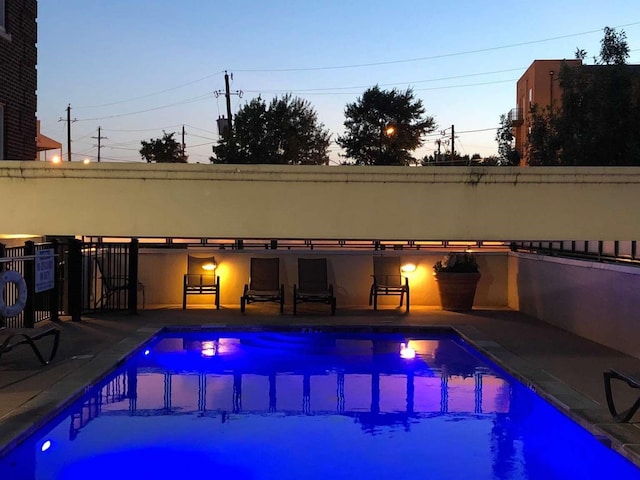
(311, 405)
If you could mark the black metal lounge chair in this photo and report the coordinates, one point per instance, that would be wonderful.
(314, 287)
(201, 279)
(114, 276)
(264, 283)
(633, 382)
(388, 280)
(14, 337)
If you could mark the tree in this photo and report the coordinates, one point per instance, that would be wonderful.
(599, 122)
(542, 140)
(163, 150)
(383, 127)
(504, 136)
(614, 49)
(286, 131)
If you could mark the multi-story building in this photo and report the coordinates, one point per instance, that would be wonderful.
(18, 79)
(539, 86)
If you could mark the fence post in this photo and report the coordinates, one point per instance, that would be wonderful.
(74, 269)
(133, 277)
(54, 293)
(2, 254)
(29, 311)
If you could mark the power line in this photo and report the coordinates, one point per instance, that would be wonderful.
(431, 57)
(151, 94)
(445, 87)
(141, 129)
(184, 102)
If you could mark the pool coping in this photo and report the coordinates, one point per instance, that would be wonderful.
(623, 438)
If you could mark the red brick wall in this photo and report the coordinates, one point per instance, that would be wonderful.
(18, 79)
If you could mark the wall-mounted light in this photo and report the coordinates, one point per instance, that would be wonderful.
(407, 352)
(408, 268)
(209, 266)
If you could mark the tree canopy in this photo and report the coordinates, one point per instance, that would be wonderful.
(163, 150)
(383, 127)
(599, 121)
(507, 154)
(285, 131)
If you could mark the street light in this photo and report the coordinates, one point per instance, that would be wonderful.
(387, 129)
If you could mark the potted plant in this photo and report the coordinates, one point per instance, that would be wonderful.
(457, 276)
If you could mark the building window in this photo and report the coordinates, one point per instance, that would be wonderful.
(1, 130)
(3, 20)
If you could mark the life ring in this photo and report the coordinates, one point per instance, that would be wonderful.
(11, 276)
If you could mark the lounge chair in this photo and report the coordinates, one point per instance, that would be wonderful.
(264, 283)
(388, 280)
(312, 277)
(200, 279)
(14, 337)
(114, 275)
(633, 382)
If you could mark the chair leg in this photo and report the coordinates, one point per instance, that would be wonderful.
(407, 310)
(625, 415)
(242, 304)
(295, 299)
(282, 299)
(218, 293)
(375, 300)
(333, 306)
(184, 299)
(8, 345)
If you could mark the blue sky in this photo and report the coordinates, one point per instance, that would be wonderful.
(138, 67)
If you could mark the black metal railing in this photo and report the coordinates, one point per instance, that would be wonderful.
(621, 252)
(102, 277)
(42, 303)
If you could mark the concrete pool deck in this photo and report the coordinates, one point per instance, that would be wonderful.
(562, 367)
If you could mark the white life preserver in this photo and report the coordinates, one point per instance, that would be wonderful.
(11, 276)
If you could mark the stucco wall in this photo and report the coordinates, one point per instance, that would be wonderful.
(597, 301)
(162, 272)
(319, 202)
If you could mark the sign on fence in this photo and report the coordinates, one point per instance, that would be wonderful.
(45, 279)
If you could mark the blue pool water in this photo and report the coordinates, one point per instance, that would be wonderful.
(278, 405)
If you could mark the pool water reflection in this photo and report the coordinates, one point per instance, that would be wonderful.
(312, 405)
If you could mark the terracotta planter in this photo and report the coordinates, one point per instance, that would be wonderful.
(457, 290)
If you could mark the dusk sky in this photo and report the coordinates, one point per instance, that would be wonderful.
(138, 67)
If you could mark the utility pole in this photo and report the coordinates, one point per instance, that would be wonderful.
(99, 138)
(184, 147)
(69, 121)
(227, 93)
(453, 147)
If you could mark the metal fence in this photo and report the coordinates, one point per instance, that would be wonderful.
(102, 277)
(622, 252)
(39, 305)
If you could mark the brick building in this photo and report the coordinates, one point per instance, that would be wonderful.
(18, 79)
(538, 86)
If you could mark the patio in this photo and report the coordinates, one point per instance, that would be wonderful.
(562, 367)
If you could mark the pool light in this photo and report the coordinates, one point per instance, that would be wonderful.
(45, 446)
